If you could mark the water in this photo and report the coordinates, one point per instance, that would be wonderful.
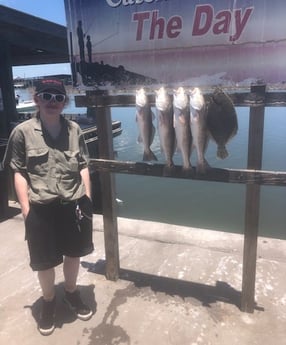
(210, 205)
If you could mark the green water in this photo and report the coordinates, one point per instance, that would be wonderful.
(211, 205)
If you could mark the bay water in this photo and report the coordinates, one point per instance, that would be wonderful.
(210, 205)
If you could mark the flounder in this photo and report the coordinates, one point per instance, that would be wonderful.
(221, 120)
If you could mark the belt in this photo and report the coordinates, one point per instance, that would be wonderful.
(66, 202)
(60, 201)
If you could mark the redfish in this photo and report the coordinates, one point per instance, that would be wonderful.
(144, 118)
(166, 129)
(198, 124)
(182, 126)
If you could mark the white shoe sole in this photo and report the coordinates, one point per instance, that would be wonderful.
(46, 331)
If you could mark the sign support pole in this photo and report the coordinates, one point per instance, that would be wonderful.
(255, 149)
(107, 179)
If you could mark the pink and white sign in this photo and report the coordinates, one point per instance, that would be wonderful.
(177, 42)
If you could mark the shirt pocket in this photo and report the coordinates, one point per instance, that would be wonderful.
(38, 161)
(72, 159)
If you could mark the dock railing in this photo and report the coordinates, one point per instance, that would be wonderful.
(253, 177)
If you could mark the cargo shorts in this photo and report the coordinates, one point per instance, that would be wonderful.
(60, 228)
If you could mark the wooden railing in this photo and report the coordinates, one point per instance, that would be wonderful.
(257, 99)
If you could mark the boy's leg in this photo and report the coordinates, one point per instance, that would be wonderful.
(47, 282)
(46, 323)
(71, 268)
(72, 295)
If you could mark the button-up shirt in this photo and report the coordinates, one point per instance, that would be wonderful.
(51, 166)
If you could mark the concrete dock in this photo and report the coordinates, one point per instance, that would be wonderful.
(178, 285)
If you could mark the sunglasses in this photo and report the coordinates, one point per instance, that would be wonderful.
(46, 96)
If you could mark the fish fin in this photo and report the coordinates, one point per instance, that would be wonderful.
(187, 171)
(195, 116)
(169, 169)
(192, 148)
(174, 121)
(149, 156)
(152, 134)
(202, 167)
(159, 122)
(177, 149)
(139, 139)
(182, 119)
(221, 152)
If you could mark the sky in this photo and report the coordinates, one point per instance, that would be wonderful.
(52, 10)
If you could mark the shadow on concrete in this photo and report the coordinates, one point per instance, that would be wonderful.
(205, 294)
(63, 313)
(10, 213)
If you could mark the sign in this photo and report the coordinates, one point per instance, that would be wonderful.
(131, 43)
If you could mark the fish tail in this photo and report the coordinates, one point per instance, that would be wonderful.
(187, 170)
(149, 156)
(221, 152)
(202, 167)
(169, 169)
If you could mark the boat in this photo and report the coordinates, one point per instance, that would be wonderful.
(26, 106)
(89, 129)
(19, 86)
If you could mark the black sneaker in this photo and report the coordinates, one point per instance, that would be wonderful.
(46, 324)
(74, 301)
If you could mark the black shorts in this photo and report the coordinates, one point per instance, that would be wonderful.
(58, 229)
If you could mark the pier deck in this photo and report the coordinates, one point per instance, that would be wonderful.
(177, 285)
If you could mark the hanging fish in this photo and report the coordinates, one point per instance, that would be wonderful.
(182, 126)
(166, 129)
(144, 118)
(198, 124)
(221, 120)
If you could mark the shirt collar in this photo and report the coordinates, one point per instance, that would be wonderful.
(37, 126)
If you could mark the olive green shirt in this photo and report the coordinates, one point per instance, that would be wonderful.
(51, 166)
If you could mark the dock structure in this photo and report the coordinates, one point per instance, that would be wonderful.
(257, 99)
(25, 40)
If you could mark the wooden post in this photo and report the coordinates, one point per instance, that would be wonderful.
(105, 146)
(8, 111)
(3, 194)
(255, 149)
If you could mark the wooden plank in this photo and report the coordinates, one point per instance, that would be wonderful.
(255, 149)
(3, 194)
(8, 111)
(240, 99)
(250, 248)
(105, 145)
(241, 176)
